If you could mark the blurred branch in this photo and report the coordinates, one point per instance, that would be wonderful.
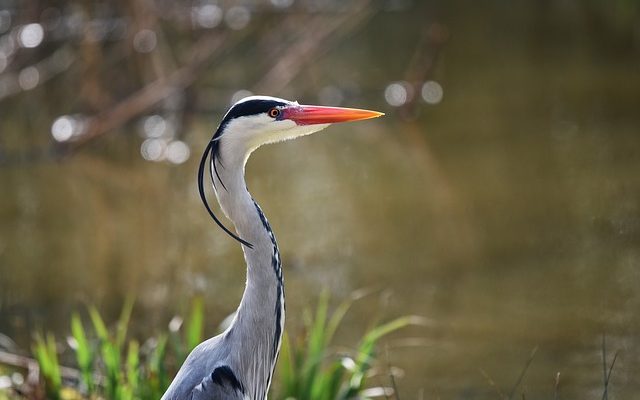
(158, 90)
(523, 373)
(31, 366)
(45, 69)
(423, 62)
(287, 60)
(290, 62)
(318, 36)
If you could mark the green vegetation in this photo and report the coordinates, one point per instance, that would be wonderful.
(111, 365)
(308, 369)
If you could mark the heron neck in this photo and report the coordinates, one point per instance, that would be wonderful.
(249, 221)
(258, 325)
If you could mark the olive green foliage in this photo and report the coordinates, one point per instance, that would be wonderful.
(47, 355)
(112, 366)
(309, 369)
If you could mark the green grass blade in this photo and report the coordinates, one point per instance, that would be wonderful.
(55, 365)
(287, 369)
(111, 360)
(41, 354)
(98, 324)
(158, 380)
(330, 383)
(316, 347)
(366, 350)
(195, 325)
(333, 385)
(336, 318)
(123, 321)
(369, 341)
(133, 366)
(46, 354)
(84, 354)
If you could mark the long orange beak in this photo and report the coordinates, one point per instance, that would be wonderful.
(310, 115)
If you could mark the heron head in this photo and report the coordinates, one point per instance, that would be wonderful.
(257, 120)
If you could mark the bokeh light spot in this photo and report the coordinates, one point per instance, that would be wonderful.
(154, 126)
(432, 92)
(31, 35)
(17, 379)
(175, 323)
(29, 78)
(207, 16)
(145, 41)
(397, 94)
(238, 17)
(63, 128)
(178, 152)
(153, 149)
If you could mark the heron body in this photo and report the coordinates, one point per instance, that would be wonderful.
(239, 363)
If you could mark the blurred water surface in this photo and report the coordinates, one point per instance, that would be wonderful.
(499, 197)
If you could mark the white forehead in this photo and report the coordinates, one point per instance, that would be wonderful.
(269, 98)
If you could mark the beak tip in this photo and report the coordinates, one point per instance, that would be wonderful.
(375, 114)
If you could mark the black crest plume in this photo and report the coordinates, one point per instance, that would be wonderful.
(208, 151)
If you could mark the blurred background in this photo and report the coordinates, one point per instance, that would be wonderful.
(499, 197)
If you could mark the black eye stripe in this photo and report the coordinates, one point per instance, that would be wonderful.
(252, 107)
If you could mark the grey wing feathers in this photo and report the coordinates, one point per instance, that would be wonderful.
(221, 384)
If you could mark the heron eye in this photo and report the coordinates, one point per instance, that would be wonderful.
(274, 112)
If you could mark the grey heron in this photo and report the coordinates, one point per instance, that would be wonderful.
(239, 363)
